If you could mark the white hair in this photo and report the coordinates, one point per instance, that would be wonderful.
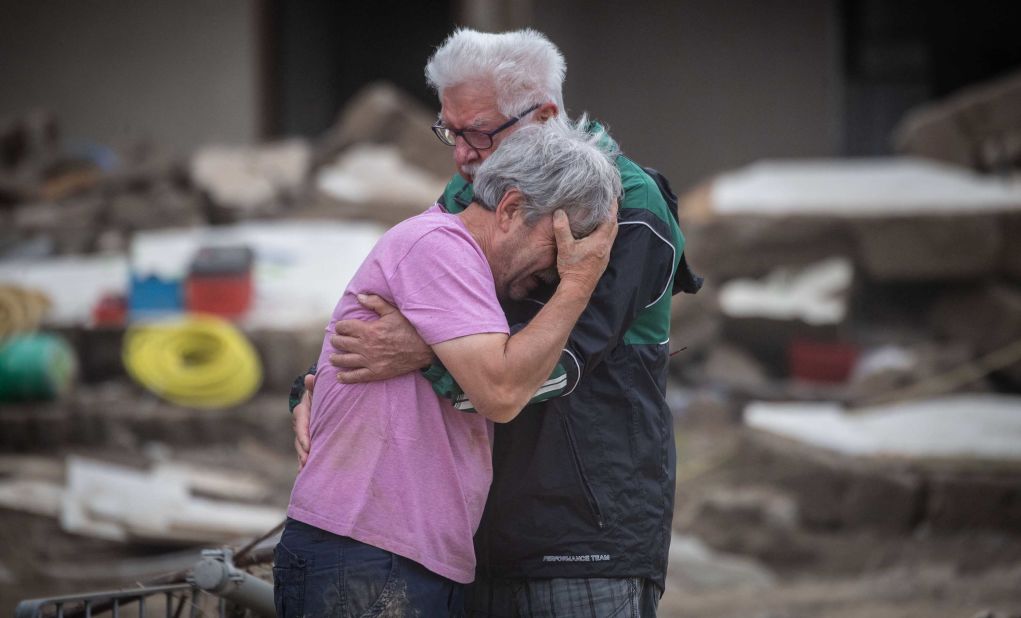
(554, 166)
(523, 66)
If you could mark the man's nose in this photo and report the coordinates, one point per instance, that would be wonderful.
(463, 153)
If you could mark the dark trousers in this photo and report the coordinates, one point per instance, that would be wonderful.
(316, 573)
(626, 597)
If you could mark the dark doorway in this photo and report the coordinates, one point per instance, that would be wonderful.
(320, 52)
(900, 54)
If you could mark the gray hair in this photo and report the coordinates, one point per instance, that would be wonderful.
(523, 66)
(554, 166)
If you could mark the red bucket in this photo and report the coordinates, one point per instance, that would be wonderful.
(821, 361)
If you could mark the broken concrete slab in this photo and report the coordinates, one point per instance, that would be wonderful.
(918, 248)
(897, 218)
(376, 181)
(986, 318)
(694, 566)
(733, 367)
(116, 503)
(251, 180)
(32, 496)
(751, 521)
(981, 426)
(978, 127)
(380, 113)
(960, 502)
(694, 322)
(951, 463)
(228, 485)
(854, 188)
(815, 294)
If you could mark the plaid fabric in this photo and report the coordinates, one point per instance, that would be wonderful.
(631, 597)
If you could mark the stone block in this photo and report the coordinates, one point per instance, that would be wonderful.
(964, 502)
(930, 247)
(746, 246)
(887, 501)
(985, 318)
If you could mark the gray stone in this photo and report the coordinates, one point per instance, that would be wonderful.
(931, 247)
(974, 501)
(695, 567)
(746, 246)
(381, 113)
(978, 127)
(986, 319)
(694, 322)
(889, 502)
(1010, 254)
(733, 367)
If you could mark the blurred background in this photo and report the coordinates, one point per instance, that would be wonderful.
(186, 188)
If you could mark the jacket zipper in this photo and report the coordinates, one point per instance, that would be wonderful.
(589, 494)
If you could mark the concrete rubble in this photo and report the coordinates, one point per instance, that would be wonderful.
(979, 127)
(887, 273)
(169, 504)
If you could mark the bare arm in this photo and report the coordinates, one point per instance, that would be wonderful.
(500, 373)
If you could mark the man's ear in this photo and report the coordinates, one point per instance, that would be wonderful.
(509, 209)
(547, 111)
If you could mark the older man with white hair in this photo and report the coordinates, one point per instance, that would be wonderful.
(577, 521)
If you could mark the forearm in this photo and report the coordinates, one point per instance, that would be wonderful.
(502, 385)
(531, 354)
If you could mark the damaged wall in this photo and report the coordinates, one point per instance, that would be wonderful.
(182, 74)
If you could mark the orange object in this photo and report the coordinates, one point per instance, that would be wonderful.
(220, 281)
(225, 296)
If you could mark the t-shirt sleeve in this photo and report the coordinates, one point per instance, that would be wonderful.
(444, 287)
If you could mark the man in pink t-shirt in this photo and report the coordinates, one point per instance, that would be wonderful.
(382, 515)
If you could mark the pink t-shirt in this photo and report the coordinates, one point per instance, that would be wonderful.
(391, 464)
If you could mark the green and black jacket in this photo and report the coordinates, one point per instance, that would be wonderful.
(583, 480)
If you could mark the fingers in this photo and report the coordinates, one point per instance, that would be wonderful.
(299, 420)
(605, 232)
(562, 229)
(350, 328)
(376, 303)
(344, 343)
(310, 382)
(347, 361)
(356, 376)
(302, 453)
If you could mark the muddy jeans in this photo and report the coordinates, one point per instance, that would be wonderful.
(316, 573)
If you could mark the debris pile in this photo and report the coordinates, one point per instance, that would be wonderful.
(832, 278)
(117, 235)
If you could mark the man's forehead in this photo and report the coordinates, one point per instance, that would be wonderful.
(460, 118)
(467, 106)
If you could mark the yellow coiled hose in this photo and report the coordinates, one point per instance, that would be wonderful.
(198, 361)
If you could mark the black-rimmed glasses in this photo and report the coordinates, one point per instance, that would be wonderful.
(479, 140)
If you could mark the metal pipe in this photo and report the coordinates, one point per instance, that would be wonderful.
(216, 573)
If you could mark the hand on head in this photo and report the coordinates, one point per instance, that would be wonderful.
(582, 261)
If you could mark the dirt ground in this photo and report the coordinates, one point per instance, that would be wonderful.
(761, 566)
(830, 574)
